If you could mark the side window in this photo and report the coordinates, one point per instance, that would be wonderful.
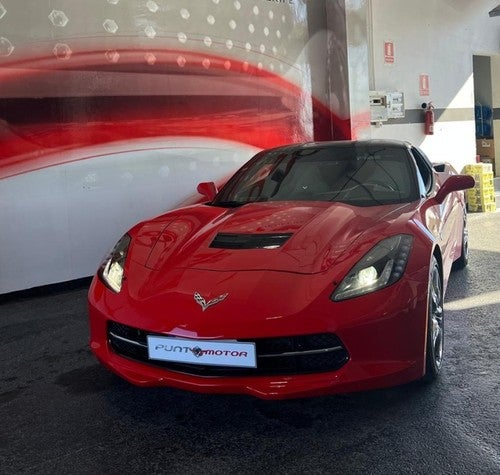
(424, 167)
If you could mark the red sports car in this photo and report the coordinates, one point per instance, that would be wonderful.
(318, 268)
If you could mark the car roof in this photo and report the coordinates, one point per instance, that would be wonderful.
(346, 143)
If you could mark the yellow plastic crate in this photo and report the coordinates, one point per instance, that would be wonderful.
(487, 177)
(481, 200)
(478, 168)
(479, 191)
(487, 208)
(483, 179)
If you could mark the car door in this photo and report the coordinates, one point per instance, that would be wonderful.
(445, 220)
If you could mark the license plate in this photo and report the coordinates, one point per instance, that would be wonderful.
(202, 352)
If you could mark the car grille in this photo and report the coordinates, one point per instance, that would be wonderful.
(275, 356)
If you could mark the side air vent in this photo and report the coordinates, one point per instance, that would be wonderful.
(249, 241)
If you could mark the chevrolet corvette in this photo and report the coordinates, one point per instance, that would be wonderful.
(317, 268)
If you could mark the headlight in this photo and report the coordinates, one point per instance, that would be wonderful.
(111, 271)
(381, 267)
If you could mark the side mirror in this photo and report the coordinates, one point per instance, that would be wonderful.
(454, 183)
(207, 189)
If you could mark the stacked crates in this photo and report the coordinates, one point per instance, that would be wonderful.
(482, 196)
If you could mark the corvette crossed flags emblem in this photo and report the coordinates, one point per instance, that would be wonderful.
(204, 304)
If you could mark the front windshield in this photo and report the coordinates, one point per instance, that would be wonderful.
(361, 175)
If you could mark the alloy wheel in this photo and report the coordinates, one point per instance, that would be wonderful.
(436, 320)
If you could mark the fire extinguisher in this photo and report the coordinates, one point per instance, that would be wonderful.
(429, 118)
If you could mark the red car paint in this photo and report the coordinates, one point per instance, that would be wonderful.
(281, 292)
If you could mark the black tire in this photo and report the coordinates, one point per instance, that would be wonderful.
(435, 324)
(463, 260)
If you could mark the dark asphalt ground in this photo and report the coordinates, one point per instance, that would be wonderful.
(60, 412)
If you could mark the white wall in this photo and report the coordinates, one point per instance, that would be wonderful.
(437, 38)
(59, 222)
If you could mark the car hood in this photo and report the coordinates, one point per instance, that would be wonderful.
(300, 237)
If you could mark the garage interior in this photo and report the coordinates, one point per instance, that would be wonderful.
(112, 113)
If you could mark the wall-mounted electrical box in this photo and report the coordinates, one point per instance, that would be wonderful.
(378, 106)
(395, 105)
(386, 105)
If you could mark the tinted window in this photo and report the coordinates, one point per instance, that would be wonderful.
(354, 174)
(424, 168)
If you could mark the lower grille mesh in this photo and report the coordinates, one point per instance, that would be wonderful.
(275, 356)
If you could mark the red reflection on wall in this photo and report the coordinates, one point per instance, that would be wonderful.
(209, 97)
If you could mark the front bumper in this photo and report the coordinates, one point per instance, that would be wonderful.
(353, 377)
(384, 337)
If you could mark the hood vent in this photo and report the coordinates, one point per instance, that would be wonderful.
(249, 241)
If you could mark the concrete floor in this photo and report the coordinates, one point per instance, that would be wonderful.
(61, 412)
